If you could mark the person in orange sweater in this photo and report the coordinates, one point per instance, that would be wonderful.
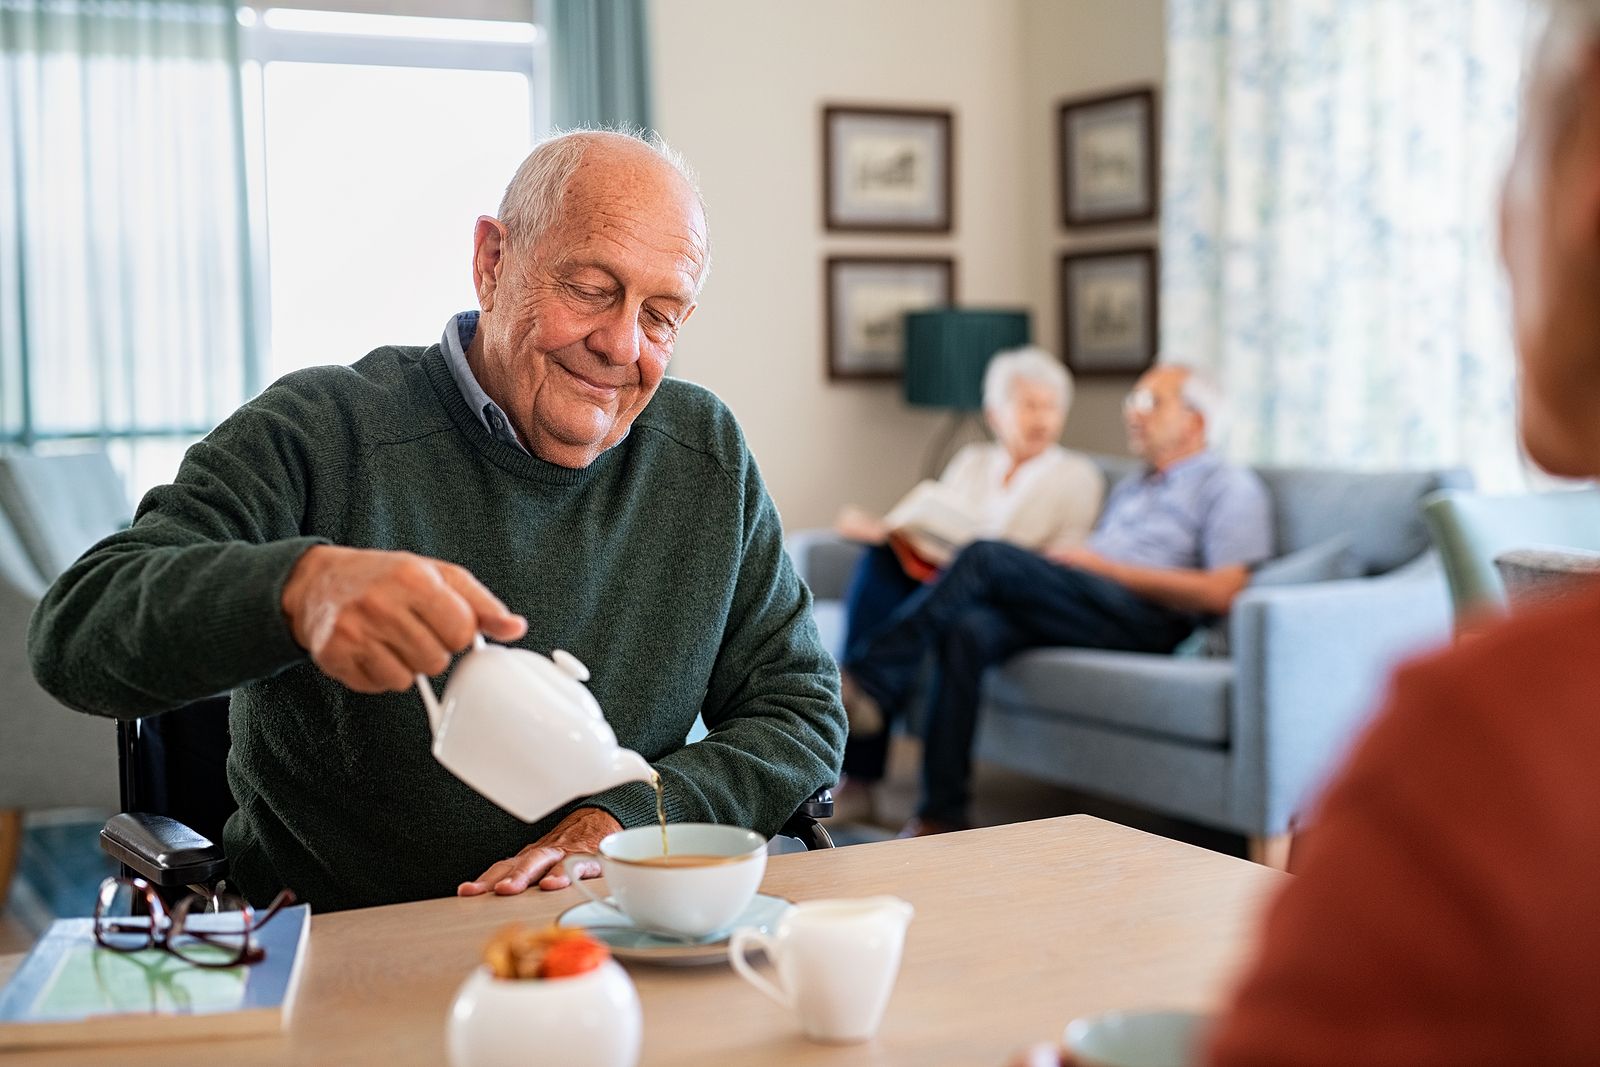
(1447, 905)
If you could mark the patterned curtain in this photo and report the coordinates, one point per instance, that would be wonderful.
(125, 316)
(1328, 225)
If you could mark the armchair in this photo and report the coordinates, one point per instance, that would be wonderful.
(51, 508)
(1472, 530)
(1235, 741)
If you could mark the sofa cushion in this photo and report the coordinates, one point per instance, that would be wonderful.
(1328, 561)
(829, 617)
(1325, 561)
(1312, 506)
(1187, 699)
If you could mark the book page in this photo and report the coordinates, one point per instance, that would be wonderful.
(92, 981)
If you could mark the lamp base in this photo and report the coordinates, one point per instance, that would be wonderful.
(943, 447)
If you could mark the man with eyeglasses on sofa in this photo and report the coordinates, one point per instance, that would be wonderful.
(1175, 544)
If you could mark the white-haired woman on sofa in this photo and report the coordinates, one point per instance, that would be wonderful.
(1022, 487)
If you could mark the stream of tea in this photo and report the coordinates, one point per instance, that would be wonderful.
(661, 808)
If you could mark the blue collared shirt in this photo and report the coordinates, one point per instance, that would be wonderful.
(1199, 514)
(458, 333)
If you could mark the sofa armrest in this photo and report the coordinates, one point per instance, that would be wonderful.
(1312, 665)
(825, 561)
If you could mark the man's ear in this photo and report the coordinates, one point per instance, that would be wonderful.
(1583, 137)
(488, 256)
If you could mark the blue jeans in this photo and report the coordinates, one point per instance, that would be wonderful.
(993, 601)
(878, 587)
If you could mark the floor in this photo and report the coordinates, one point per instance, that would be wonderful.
(60, 869)
(62, 863)
(1002, 796)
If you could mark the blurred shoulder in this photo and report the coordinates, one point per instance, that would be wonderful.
(1533, 675)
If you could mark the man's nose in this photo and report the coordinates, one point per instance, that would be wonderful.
(616, 337)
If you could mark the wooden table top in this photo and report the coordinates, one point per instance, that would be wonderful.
(1018, 929)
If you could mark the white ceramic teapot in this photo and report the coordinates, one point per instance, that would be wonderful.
(523, 730)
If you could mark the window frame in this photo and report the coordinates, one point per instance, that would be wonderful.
(262, 44)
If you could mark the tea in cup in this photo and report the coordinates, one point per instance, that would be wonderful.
(836, 963)
(1138, 1039)
(704, 881)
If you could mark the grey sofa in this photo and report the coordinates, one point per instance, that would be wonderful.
(52, 508)
(1237, 739)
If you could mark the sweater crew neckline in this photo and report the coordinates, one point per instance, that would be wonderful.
(511, 460)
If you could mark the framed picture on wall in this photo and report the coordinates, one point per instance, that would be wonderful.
(1108, 158)
(887, 169)
(1108, 311)
(867, 299)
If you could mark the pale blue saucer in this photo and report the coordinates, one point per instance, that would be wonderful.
(628, 942)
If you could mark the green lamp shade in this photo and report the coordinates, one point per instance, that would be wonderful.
(947, 350)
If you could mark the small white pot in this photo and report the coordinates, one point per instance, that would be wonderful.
(589, 1020)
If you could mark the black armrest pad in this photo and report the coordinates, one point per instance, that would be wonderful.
(819, 805)
(162, 850)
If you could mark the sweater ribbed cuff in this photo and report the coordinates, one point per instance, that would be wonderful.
(247, 628)
(632, 804)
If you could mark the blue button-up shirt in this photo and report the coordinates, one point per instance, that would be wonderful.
(1199, 514)
(458, 333)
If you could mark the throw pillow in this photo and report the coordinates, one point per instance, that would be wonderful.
(1325, 561)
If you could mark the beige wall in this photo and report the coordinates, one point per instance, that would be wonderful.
(739, 88)
(1073, 48)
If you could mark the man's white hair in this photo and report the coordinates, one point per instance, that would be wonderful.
(1030, 364)
(1201, 393)
(532, 201)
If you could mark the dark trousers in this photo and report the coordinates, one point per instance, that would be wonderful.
(993, 601)
(878, 587)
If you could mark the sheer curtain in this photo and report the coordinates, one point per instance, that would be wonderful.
(124, 275)
(599, 63)
(1328, 225)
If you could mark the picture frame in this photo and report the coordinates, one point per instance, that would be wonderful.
(1110, 322)
(888, 169)
(1107, 158)
(867, 298)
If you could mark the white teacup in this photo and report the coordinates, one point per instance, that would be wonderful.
(720, 868)
(836, 962)
(1138, 1039)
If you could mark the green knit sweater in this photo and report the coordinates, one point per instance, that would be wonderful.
(661, 565)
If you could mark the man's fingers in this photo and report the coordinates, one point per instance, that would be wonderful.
(444, 611)
(525, 869)
(412, 641)
(485, 881)
(376, 669)
(494, 618)
(562, 876)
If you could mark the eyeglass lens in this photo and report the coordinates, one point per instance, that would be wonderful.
(211, 935)
(125, 922)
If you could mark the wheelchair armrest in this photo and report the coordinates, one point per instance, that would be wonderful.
(162, 851)
(818, 805)
(803, 824)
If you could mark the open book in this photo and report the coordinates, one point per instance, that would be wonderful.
(70, 991)
(932, 522)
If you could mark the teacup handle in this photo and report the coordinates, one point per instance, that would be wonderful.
(569, 863)
(743, 938)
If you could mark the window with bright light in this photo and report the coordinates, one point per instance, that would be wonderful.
(383, 138)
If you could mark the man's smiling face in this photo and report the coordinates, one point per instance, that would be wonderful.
(577, 330)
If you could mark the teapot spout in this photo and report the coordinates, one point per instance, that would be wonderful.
(431, 702)
(628, 766)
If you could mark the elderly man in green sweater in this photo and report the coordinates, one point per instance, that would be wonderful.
(344, 530)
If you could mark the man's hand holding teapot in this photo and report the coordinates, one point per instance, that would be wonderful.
(374, 619)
